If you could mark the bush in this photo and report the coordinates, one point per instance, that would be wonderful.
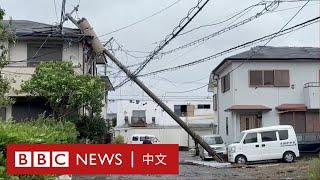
(119, 139)
(314, 169)
(91, 128)
(41, 131)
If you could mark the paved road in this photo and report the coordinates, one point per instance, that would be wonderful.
(274, 170)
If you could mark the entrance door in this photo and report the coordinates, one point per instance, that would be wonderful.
(249, 122)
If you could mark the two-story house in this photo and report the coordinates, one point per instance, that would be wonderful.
(267, 86)
(144, 116)
(38, 42)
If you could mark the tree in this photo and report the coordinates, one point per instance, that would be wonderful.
(5, 37)
(65, 91)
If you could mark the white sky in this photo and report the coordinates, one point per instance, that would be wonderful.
(108, 15)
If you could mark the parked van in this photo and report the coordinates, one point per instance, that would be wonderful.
(275, 142)
(216, 143)
(139, 138)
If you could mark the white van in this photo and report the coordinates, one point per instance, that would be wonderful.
(275, 142)
(139, 138)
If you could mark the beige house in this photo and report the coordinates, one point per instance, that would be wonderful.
(38, 42)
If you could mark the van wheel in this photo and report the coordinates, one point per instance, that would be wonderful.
(241, 159)
(289, 157)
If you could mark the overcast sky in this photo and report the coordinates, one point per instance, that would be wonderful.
(108, 15)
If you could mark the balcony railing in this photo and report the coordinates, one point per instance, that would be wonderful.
(312, 84)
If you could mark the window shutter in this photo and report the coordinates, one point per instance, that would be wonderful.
(227, 83)
(222, 84)
(268, 78)
(281, 78)
(255, 78)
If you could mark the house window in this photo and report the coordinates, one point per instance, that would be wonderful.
(227, 126)
(184, 110)
(281, 78)
(203, 106)
(135, 138)
(256, 78)
(138, 117)
(268, 78)
(225, 83)
(3, 113)
(215, 102)
(38, 52)
(276, 78)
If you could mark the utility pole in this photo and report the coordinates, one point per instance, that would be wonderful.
(97, 46)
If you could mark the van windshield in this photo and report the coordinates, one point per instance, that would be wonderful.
(239, 138)
(213, 140)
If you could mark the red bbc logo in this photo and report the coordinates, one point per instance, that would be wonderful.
(41, 159)
(92, 159)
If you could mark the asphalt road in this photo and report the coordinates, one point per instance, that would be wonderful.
(270, 170)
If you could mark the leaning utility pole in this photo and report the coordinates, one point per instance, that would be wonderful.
(97, 46)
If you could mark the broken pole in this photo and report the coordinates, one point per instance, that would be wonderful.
(97, 46)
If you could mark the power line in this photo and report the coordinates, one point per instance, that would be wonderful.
(264, 38)
(275, 35)
(141, 20)
(223, 21)
(190, 90)
(182, 24)
(221, 31)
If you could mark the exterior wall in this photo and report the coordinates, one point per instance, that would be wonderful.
(202, 116)
(242, 94)
(225, 100)
(18, 72)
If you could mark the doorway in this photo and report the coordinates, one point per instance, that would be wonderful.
(250, 121)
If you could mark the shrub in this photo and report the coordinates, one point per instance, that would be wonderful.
(314, 169)
(91, 128)
(119, 139)
(41, 131)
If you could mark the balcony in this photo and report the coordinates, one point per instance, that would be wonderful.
(312, 95)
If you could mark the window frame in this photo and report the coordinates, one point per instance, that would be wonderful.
(225, 80)
(31, 62)
(263, 78)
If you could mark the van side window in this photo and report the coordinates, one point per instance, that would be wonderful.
(268, 136)
(283, 134)
(250, 138)
(135, 138)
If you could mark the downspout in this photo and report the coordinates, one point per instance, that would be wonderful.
(216, 77)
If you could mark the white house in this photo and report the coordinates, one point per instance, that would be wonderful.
(146, 117)
(35, 43)
(268, 86)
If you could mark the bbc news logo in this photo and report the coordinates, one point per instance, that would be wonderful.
(41, 159)
(92, 159)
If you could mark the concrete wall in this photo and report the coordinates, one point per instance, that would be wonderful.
(242, 94)
(166, 135)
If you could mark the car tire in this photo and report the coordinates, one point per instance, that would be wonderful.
(241, 159)
(289, 157)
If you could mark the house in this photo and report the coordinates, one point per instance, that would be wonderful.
(38, 42)
(136, 116)
(267, 86)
